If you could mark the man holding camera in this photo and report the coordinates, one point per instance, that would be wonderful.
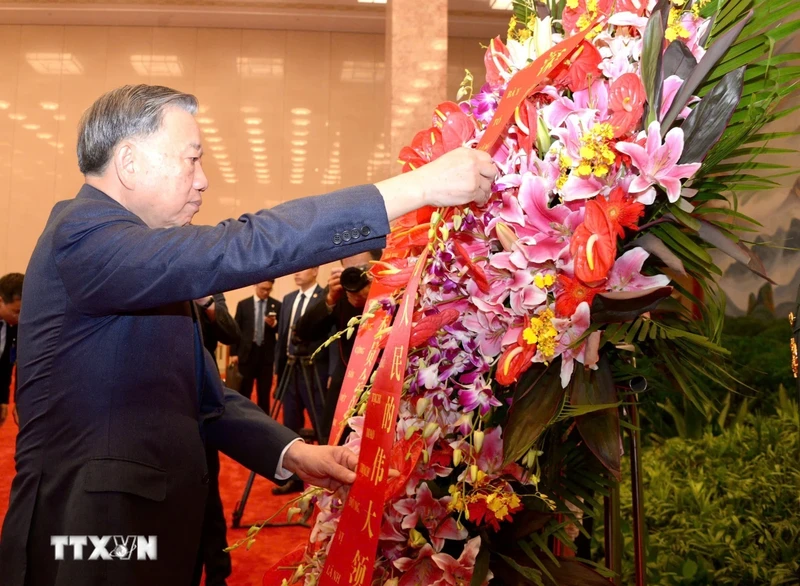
(344, 299)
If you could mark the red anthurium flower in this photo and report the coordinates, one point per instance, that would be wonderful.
(594, 245)
(516, 359)
(393, 273)
(622, 209)
(496, 59)
(426, 146)
(573, 293)
(477, 273)
(427, 327)
(526, 120)
(626, 102)
(581, 69)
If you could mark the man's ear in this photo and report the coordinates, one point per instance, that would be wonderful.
(125, 164)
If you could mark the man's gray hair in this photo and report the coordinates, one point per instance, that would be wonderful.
(126, 112)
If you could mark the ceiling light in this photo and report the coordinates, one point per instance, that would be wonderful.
(420, 83)
(59, 117)
(411, 99)
(17, 116)
(259, 67)
(259, 149)
(216, 147)
(157, 65)
(48, 105)
(300, 111)
(30, 126)
(252, 121)
(248, 110)
(334, 159)
(298, 132)
(296, 181)
(260, 157)
(4, 105)
(205, 120)
(299, 143)
(255, 131)
(256, 140)
(213, 139)
(298, 151)
(301, 121)
(220, 156)
(44, 135)
(54, 63)
(298, 159)
(210, 130)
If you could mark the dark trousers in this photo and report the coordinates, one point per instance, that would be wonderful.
(298, 399)
(213, 542)
(258, 370)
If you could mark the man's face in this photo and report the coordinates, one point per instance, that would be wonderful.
(304, 279)
(263, 290)
(169, 178)
(357, 260)
(9, 312)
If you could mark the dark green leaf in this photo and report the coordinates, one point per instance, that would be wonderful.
(573, 573)
(672, 235)
(651, 63)
(600, 430)
(532, 574)
(678, 60)
(536, 401)
(657, 248)
(684, 218)
(481, 569)
(739, 251)
(615, 307)
(700, 72)
(705, 125)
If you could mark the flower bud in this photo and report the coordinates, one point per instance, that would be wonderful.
(362, 408)
(422, 405)
(543, 140)
(477, 440)
(391, 582)
(293, 511)
(430, 429)
(506, 235)
(457, 220)
(445, 231)
(457, 455)
(425, 456)
(411, 431)
(416, 539)
(473, 473)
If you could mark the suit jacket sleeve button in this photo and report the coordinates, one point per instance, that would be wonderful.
(355, 233)
(365, 231)
(337, 238)
(346, 235)
(205, 478)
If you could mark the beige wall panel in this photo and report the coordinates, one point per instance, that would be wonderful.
(9, 67)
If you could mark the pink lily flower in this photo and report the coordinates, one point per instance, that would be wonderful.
(458, 572)
(421, 569)
(433, 514)
(671, 86)
(657, 164)
(626, 273)
(572, 328)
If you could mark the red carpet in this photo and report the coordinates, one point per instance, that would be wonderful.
(248, 566)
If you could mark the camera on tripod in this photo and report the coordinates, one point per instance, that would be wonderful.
(354, 279)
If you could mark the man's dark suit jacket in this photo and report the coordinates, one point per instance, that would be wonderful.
(308, 345)
(223, 330)
(7, 363)
(245, 313)
(116, 392)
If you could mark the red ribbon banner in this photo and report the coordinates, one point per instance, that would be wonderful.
(351, 558)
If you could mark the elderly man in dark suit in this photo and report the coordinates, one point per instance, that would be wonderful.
(257, 319)
(116, 392)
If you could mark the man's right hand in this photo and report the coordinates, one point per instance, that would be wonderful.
(334, 286)
(458, 177)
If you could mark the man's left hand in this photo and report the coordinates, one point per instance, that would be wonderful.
(326, 466)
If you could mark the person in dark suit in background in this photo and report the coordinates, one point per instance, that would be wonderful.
(217, 327)
(291, 349)
(117, 394)
(331, 312)
(10, 304)
(257, 319)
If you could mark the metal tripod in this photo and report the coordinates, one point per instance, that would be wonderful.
(295, 366)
